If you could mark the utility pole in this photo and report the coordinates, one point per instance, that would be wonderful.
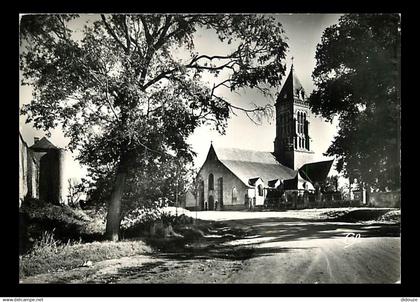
(178, 168)
(176, 190)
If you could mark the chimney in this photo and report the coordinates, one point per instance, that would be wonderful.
(36, 139)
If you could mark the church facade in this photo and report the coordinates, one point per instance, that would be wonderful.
(233, 179)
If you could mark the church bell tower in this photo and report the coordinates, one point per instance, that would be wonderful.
(292, 145)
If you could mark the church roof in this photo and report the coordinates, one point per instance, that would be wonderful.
(248, 164)
(43, 144)
(292, 83)
(296, 83)
(317, 171)
(253, 181)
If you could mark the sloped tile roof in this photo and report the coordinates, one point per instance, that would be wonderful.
(248, 164)
(43, 144)
(317, 171)
(252, 181)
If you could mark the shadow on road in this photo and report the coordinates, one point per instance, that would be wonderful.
(241, 239)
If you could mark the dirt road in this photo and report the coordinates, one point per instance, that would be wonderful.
(260, 250)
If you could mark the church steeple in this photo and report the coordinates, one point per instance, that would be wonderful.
(292, 123)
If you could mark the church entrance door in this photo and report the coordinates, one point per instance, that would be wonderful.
(211, 203)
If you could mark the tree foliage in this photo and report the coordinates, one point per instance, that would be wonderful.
(128, 90)
(357, 78)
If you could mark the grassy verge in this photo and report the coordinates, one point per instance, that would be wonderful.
(368, 214)
(50, 255)
(66, 223)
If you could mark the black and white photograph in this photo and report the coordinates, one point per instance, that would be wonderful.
(198, 148)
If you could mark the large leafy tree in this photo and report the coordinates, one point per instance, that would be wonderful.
(357, 78)
(130, 89)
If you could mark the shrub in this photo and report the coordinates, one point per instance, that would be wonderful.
(50, 255)
(141, 220)
(37, 217)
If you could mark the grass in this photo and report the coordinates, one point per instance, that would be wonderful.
(51, 255)
(66, 223)
(368, 214)
(55, 238)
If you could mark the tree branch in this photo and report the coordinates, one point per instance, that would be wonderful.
(149, 38)
(112, 33)
(127, 34)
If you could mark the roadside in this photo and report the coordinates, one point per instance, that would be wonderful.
(259, 249)
(322, 214)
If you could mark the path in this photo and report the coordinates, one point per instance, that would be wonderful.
(267, 250)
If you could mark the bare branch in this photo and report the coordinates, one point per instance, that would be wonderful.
(127, 34)
(164, 31)
(149, 38)
(112, 33)
(221, 84)
(158, 78)
(213, 68)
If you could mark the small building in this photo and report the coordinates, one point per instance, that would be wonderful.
(42, 172)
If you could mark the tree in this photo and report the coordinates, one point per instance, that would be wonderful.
(75, 191)
(131, 88)
(357, 78)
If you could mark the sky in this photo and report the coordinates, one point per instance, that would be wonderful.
(304, 32)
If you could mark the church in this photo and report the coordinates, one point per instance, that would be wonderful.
(235, 179)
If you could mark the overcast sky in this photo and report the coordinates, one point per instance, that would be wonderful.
(304, 32)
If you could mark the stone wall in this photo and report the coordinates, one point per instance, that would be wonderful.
(28, 171)
(23, 168)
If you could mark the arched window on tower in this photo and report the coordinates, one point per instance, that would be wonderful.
(298, 122)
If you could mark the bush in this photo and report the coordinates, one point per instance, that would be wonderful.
(393, 216)
(37, 217)
(49, 254)
(150, 221)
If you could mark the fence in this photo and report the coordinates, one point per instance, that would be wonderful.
(309, 201)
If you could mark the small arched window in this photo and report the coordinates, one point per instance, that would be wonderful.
(211, 181)
(234, 195)
(260, 190)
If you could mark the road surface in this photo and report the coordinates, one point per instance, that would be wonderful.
(271, 249)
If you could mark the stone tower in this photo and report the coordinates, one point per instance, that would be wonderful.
(292, 145)
(51, 160)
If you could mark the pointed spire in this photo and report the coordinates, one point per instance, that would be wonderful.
(292, 85)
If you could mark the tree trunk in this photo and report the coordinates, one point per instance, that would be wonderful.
(114, 208)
